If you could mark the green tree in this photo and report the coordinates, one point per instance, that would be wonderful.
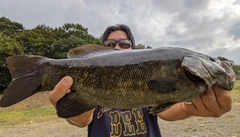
(149, 47)
(236, 68)
(8, 47)
(37, 41)
(141, 46)
(71, 36)
(41, 40)
(10, 28)
(62, 46)
(79, 31)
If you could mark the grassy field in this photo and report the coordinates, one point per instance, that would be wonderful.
(27, 116)
(34, 109)
(236, 92)
(48, 112)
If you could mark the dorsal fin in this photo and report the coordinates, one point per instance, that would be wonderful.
(87, 51)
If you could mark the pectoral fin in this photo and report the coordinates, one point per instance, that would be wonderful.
(157, 109)
(70, 106)
(163, 86)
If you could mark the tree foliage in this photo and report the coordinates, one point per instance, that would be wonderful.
(141, 46)
(10, 28)
(41, 40)
(8, 47)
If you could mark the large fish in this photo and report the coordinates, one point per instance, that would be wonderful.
(156, 78)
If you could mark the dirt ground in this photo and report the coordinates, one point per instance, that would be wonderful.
(225, 126)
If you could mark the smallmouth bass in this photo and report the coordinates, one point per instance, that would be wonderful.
(103, 77)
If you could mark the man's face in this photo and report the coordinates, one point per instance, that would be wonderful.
(117, 35)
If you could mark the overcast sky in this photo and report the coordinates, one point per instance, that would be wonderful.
(211, 27)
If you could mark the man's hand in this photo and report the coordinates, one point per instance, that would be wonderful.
(213, 103)
(60, 90)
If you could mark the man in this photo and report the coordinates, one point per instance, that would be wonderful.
(136, 121)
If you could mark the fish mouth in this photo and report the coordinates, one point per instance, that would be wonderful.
(195, 79)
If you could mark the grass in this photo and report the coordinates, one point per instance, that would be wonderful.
(236, 92)
(27, 116)
(48, 113)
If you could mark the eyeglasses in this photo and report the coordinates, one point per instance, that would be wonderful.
(123, 43)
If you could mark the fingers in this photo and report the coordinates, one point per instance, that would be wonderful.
(192, 109)
(209, 101)
(213, 103)
(217, 101)
(224, 98)
(60, 90)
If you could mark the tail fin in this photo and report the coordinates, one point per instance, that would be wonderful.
(25, 79)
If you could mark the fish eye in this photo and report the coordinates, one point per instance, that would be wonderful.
(212, 59)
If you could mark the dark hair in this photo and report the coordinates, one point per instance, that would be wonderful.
(121, 27)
